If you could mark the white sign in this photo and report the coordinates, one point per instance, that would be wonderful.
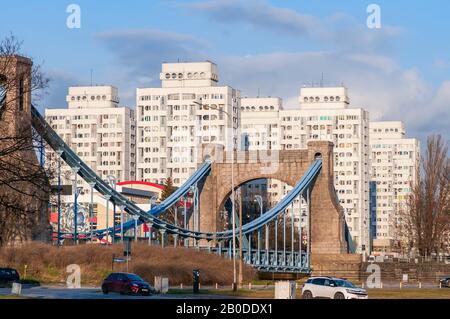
(285, 290)
(162, 284)
(405, 277)
(16, 288)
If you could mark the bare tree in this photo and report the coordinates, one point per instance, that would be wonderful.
(24, 186)
(427, 218)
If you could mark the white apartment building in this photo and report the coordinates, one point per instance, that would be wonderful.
(394, 163)
(261, 130)
(101, 133)
(174, 120)
(324, 114)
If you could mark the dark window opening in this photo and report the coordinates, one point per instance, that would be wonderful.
(21, 93)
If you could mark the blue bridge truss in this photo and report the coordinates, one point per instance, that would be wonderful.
(275, 256)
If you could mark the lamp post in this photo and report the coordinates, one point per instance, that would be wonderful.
(259, 200)
(122, 208)
(207, 107)
(185, 218)
(91, 212)
(59, 152)
(113, 181)
(75, 205)
(136, 218)
(150, 226)
(107, 198)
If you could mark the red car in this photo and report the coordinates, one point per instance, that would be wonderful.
(125, 283)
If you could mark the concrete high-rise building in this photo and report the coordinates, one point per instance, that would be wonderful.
(174, 120)
(260, 123)
(394, 164)
(100, 132)
(324, 114)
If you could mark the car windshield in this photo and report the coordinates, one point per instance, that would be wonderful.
(344, 283)
(134, 277)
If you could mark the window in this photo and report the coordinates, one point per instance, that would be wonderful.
(318, 281)
(21, 95)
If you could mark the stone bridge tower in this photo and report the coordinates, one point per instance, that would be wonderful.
(327, 217)
(25, 188)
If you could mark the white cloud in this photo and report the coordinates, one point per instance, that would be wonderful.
(350, 53)
(142, 51)
(377, 84)
(257, 13)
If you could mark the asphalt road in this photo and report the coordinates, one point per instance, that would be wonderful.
(46, 292)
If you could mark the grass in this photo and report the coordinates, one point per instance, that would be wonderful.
(12, 297)
(47, 264)
(410, 293)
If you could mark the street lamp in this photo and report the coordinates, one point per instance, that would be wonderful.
(59, 152)
(112, 181)
(75, 191)
(207, 107)
(122, 208)
(185, 218)
(150, 226)
(259, 200)
(91, 211)
(152, 200)
(136, 218)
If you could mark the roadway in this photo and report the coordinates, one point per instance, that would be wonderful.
(54, 292)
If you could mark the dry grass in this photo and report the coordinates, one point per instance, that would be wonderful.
(410, 293)
(47, 263)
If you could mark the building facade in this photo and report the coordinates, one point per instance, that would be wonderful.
(394, 163)
(100, 132)
(174, 120)
(324, 114)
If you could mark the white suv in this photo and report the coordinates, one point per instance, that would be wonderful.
(334, 288)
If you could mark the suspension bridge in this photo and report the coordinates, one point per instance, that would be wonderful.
(272, 242)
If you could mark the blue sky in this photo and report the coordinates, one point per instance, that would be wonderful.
(400, 71)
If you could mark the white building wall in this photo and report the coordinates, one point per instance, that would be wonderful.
(394, 164)
(175, 120)
(325, 115)
(100, 132)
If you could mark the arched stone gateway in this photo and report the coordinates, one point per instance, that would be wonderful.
(327, 217)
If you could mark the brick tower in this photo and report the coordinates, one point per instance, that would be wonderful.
(24, 188)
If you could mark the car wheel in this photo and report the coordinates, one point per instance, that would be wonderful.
(104, 290)
(307, 295)
(339, 295)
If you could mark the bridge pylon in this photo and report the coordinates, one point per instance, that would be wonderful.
(24, 186)
(289, 166)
